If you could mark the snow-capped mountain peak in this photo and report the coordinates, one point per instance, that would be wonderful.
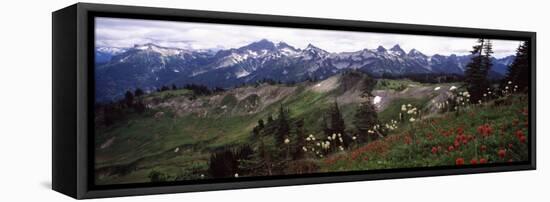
(164, 51)
(111, 50)
(396, 50)
(415, 53)
(381, 49)
(314, 49)
(286, 49)
(263, 44)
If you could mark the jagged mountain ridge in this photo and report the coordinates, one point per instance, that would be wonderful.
(150, 66)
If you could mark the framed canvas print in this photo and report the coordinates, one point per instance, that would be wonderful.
(153, 100)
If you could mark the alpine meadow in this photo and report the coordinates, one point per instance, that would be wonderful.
(180, 101)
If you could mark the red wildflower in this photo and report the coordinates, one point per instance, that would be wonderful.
(525, 111)
(459, 131)
(510, 145)
(459, 161)
(522, 139)
(482, 161)
(519, 133)
(485, 130)
(483, 148)
(366, 158)
(434, 150)
(473, 161)
(451, 148)
(501, 153)
(408, 140)
(456, 143)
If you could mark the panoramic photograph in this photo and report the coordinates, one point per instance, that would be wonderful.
(180, 101)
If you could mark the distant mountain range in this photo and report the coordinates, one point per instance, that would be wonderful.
(150, 66)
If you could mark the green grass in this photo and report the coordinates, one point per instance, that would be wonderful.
(164, 95)
(391, 84)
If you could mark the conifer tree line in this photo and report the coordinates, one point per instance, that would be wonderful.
(477, 71)
(518, 71)
(476, 81)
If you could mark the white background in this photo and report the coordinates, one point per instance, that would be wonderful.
(25, 102)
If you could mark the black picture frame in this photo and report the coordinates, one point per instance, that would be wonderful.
(73, 94)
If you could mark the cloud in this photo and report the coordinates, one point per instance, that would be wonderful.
(119, 32)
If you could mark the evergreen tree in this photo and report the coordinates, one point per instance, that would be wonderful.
(337, 124)
(518, 71)
(366, 116)
(138, 92)
(326, 130)
(129, 98)
(283, 126)
(140, 107)
(337, 127)
(477, 70)
(255, 132)
(299, 140)
(261, 124)
(269, 119)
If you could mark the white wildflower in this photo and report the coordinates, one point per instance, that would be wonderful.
(376, 100)
(236, 175)
(452, 88)
(412, 119)
(287, 141)
(437, 88)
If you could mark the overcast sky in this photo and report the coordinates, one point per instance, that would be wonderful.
(118, 32)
